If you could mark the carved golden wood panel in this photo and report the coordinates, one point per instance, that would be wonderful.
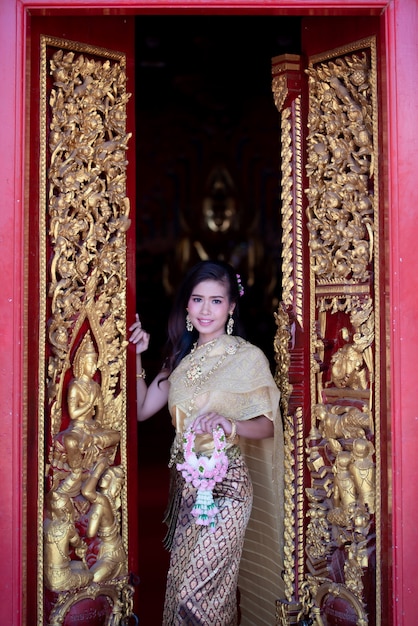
(82, 449)
(332, 539)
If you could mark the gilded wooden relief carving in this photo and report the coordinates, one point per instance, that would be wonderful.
(286, 87)
(343, 446)
(281, 342)
(286, 91)
(336, 521)
(83, 512)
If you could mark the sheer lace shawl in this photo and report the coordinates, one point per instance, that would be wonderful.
(235, 382)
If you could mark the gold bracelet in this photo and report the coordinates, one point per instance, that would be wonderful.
(141, 374)
(231, 438)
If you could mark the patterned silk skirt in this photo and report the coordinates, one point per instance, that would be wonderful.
(203, 573)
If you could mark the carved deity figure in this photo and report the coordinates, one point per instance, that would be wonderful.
(363, 472)
(104, 521)
(344, 488)
(347, 368)
(342, 422)
(61, 573)
(85, 441)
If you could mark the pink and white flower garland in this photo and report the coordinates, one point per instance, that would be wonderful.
(204, 472)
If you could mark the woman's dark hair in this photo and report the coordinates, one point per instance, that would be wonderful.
(180, 341)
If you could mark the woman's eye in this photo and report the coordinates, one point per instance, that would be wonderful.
(216, 301)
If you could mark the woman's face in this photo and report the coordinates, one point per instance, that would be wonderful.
(208, 309)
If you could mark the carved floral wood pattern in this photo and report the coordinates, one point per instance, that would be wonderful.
(332, 541)
(83, 569)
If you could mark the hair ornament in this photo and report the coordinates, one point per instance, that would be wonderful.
(240, 287)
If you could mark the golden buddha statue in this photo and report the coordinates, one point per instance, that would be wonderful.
(78, 448)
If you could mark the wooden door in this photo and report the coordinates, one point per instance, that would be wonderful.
(81, 474)
(332, 319)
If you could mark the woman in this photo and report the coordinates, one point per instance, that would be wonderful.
(219, 388)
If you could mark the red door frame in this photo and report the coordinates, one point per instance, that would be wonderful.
(400, 111)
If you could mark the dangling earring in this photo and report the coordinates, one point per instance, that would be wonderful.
(189, 325)
(230, 324)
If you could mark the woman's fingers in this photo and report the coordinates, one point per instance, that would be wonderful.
(136, 324)
(138, 334)
(207, 422)
(200, 424)
(139, 337)
(141, 341)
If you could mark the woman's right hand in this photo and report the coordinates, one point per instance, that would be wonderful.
(138, 337)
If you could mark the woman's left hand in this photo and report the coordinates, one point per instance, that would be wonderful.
(205, 424)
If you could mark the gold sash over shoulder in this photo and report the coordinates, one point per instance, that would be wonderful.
(240, 388)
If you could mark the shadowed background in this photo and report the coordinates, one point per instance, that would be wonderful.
(208, 185)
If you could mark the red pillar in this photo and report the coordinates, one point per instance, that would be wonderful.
(401, 21)
(11, 314)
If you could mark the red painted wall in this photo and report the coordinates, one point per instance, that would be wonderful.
(11, 311)
(400, 25)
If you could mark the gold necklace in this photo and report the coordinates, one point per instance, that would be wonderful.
(194, 371)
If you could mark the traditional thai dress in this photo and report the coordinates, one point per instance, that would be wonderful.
(231, 377)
